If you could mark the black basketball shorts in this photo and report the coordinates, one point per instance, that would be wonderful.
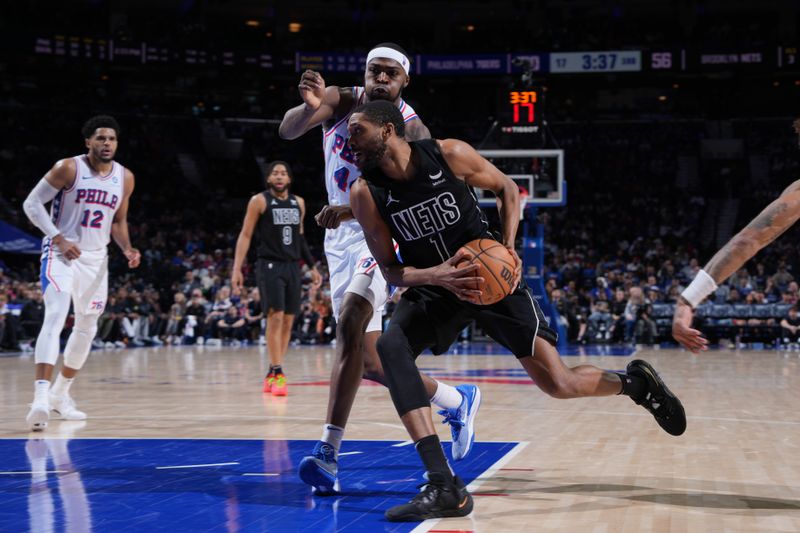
(433, 317)
(280, 285)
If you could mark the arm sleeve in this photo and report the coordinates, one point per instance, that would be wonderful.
(305, 253)
(34, 207)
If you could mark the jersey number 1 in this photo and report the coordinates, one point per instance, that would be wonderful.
(438, 242)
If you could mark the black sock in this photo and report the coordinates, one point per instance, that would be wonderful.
(633, 386)
(276, 369)
(430, 451)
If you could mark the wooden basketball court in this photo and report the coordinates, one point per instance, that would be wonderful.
(598, 465)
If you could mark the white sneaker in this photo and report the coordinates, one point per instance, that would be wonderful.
(156, 341)
(38, 415)
(119, 344)
(65, 406)
(98, 344)
(110, 345)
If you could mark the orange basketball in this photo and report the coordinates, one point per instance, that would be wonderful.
(496, 268)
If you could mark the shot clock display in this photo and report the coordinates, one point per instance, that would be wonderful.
(519, 110)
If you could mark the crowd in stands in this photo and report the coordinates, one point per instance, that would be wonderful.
(619, 253)
(202, 311)
(615, 269)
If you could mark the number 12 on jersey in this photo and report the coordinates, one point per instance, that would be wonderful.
(96, 221)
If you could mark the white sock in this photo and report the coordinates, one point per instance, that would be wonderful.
(61, 386)
(447, 396)
(333, 436)
(41, 388)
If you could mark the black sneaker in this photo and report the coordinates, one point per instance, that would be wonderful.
(659, 400)
(438, 499)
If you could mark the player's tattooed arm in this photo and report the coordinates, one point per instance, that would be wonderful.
(119, 227)
(416, 130)
(767, 226)
(320, 104)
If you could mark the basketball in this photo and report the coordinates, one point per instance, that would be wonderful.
(496, 268)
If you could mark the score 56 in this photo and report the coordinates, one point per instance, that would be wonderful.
(661, 60)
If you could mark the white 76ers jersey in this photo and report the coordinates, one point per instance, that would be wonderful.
(84, 212)
(341, 171)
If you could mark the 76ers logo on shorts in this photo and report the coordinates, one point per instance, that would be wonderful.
(96, 305)
(367, 265)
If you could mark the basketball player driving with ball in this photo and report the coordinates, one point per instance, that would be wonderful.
(358, 290)
(418, 193)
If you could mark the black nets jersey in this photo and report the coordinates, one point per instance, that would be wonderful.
(432, 215)
(279, 229)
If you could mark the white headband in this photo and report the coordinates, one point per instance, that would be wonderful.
(389, 53)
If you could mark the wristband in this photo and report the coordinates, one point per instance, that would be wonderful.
(701, 286)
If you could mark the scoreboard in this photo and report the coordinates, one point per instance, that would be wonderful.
(609, 62)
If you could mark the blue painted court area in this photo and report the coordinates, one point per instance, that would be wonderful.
(207, 485)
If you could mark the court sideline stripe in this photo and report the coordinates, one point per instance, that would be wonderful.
(195, 466)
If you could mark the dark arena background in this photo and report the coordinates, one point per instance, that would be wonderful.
(643, 136)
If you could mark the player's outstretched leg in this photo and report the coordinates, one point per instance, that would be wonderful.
(640, 382)
(659, 400)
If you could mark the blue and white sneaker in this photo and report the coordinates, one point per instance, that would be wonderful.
(320, 470)
(462, 420)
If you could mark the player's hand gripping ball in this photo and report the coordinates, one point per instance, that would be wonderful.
(496, 267)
